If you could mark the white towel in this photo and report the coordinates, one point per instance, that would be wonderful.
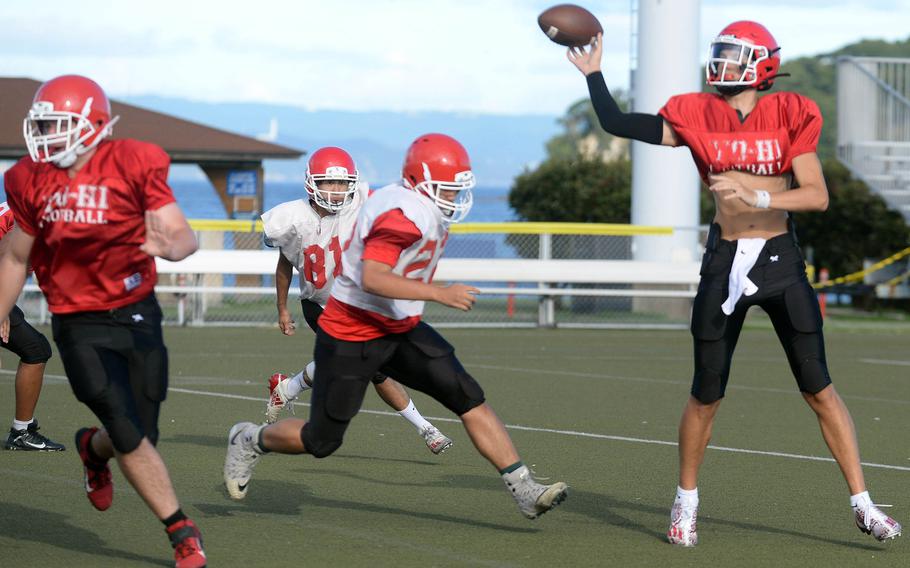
(747, 251)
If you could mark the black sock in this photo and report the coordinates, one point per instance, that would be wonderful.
(511, 468)
(174, 519)
(259, 446)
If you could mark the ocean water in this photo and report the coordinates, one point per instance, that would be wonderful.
(199, 201)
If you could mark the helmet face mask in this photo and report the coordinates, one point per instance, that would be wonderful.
(744, 55)
(69, 116)
(438, 166)
(454, 198)
(328, 165)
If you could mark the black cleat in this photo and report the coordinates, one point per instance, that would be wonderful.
(30, 440)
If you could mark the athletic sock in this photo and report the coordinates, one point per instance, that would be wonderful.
(22, 425)
(859, 500)
(174, 519)
(509, 469)
(688, 497)
(255, 439)
(295, 385)
(411, 414)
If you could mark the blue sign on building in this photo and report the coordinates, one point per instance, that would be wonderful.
(242, 182)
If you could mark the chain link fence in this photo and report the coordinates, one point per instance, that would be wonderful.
(242, 300)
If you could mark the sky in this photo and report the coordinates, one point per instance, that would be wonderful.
(472, 56)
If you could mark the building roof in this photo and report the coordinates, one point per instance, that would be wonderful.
(184, 141)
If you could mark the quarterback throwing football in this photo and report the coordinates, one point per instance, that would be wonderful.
(758, 157)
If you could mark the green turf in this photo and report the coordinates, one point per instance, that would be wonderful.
(384, 500)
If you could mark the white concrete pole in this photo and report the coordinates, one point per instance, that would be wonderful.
(665, 182)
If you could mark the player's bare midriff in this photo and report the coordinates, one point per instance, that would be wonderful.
(738, 220)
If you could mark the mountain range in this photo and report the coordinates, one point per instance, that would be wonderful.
(501, 146)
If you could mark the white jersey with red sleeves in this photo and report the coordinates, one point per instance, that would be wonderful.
(6, 219)
(310, 242)
(364, 315)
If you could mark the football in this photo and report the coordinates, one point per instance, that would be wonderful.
(569, 25)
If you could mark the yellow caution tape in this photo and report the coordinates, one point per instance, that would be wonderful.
(528, 228)
(898, 279)
(860, 275)
(229, 225)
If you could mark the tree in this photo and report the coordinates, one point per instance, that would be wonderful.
(577, 189)
(857, 225)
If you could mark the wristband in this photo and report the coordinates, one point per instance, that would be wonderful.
(762, 200)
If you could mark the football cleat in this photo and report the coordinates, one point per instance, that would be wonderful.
(872, 520)
(436, 440)
(99, 485)
(278, 397)
(682, 529)
(534, 499)
(187, 544)
(240, 459)
(30, 440)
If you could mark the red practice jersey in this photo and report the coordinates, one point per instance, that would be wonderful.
(88, 229)
(781, 127)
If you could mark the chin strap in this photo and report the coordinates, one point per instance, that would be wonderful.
(766, 84)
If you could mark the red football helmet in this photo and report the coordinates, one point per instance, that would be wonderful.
(70, 115)
(435, 163)
(744, 54)
(331, 164)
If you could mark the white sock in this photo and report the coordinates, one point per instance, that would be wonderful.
(857, 501)
(688, 497)
(411, 414)
(295, 385)
(20, 425)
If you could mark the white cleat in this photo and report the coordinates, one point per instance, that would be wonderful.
(872, 520)
(436, 440)
(240, 459)
(278, 397)
(682, 529)
(534, 499)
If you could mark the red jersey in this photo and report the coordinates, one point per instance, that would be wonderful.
(6, 219)
(88, 229)
(779, 128)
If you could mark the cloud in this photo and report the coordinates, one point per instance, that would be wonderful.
(404, 55)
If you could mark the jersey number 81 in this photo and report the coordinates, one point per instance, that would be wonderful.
(314, 263)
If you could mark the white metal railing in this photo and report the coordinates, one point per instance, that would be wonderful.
(873, 136)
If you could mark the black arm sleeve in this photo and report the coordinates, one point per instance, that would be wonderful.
(635, 125)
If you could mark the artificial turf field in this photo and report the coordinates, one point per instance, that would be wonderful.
(597, 409)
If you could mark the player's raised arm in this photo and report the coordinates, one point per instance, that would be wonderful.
(650, 128)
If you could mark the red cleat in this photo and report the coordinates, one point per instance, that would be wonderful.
(187, 543)
(99, 486)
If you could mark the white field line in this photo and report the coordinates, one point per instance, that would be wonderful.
(886, 362)
(579, 374)
(574, 433)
